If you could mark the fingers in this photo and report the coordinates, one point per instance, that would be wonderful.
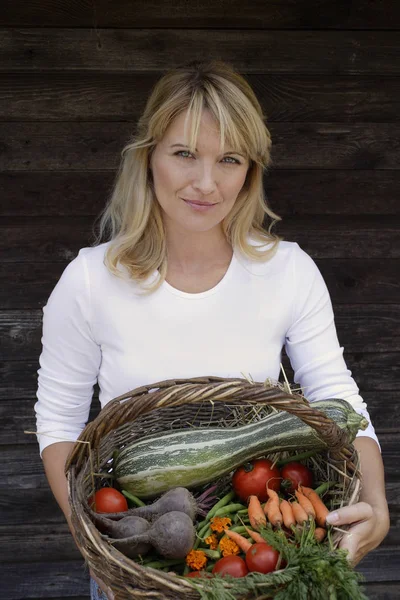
(346, 515)
(350, 542)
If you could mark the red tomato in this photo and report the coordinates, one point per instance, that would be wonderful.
(109, 500)
(198, 574)
(261, 558)
(294, 474)
(252, 479)
(231, 565)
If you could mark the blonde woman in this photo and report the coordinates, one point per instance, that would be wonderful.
(187, 279)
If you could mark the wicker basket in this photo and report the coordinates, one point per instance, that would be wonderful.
(175, 404)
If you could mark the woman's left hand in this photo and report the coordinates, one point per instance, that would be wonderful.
(369, 526)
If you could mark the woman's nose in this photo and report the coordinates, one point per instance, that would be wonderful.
(205, 179)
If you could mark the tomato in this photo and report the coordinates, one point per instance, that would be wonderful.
(295, 474)
(198, 574)
(251, 479)
(231, 565)
(261, 558)
(109, 500)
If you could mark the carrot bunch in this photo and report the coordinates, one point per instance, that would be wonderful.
(290, 514)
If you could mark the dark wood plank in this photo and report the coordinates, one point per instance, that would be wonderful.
(14, 501)
(17, 416)
(29, 506)
(23, 239)
(41, 580)
(24, 580)
(45, 542)
(334, 236)
(382, 591)
(152, 49)
(307, 14)
(381, 564)
(22, 468)
(65, 579)
(358, 281)
(296, 100)
(361, 328)
(373, 372)
(290, 192)
(369, 281)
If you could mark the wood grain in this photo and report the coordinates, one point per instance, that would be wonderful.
(307, 14)
(322, 236)
(290, 192)
(149, 50)
(334, 100)
(359, 281)
(365, 328)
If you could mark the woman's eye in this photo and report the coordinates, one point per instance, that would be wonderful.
(180, 152)
(186, 152)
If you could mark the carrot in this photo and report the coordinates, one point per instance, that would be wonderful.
(287, 514)
(256, 513)
(266, 506)
(319, 533)
(256, 536)
(274, 514)
(239, 539)
(305, 503)
(299, 513)
(321, 510)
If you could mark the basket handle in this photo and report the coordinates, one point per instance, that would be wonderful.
(175, 392)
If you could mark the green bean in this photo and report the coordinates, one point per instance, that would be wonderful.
(202, 535)
(296, 457)
(201, 524)
(229, 508)
(160, 564)
(133, 499)
(324, 487)
(223, 502)
(238, 529)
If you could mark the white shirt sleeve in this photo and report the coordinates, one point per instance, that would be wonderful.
(70, 359)
(312, 344)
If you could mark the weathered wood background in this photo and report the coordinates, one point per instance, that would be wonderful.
(74, 78)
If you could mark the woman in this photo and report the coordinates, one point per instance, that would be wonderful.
(190, 283)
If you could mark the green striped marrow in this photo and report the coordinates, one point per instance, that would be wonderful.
(192, 457)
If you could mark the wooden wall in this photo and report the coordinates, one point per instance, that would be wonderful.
(74, 78)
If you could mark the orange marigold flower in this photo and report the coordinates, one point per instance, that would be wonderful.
(228, 547)
(219, 524)
(196, 560)
(212, 541)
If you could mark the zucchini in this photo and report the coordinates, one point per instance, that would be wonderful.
(192, 457)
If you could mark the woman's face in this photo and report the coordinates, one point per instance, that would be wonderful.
(196, 191)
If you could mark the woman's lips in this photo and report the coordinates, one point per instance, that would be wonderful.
(199, 206)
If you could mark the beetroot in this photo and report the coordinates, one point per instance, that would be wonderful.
(172, 535)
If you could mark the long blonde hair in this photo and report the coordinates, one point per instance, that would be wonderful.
(132, 219)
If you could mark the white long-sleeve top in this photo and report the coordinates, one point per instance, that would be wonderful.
(97, 327)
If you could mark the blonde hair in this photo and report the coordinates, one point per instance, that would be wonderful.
(132, 219)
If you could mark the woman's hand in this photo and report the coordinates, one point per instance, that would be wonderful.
(369, 526)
